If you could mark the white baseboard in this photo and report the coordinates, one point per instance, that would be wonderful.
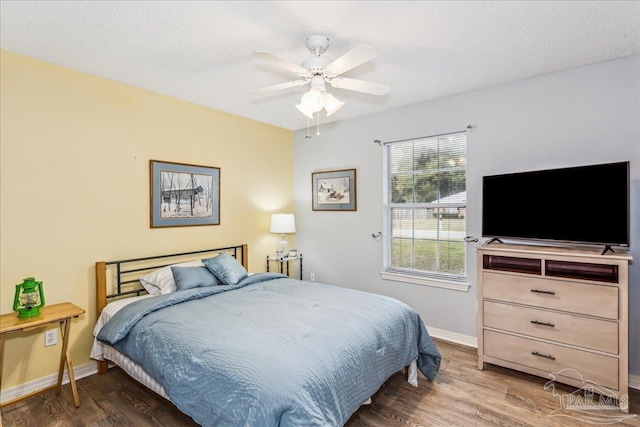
(453, 337)
(23, 389)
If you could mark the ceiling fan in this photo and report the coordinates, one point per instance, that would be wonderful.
(318, 71)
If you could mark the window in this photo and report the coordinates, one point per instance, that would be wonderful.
(426, 207)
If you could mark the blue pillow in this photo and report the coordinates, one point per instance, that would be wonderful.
(193, 277)
(226, 268)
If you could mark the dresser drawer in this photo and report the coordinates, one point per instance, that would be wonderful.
(594, 300)
(603, 370)
(565, 328)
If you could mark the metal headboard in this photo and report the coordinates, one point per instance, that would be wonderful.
(128, 271)
(125, 274)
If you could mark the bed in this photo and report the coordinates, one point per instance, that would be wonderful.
(230, 348)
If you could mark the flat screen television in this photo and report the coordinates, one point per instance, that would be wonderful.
(583, 204)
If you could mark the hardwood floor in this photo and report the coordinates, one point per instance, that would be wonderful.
(461, 395)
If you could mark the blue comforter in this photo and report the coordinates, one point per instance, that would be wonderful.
(271, 351)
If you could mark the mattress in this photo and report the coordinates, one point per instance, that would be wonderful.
(100, 351)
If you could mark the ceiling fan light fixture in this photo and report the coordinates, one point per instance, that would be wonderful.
(304, 111)
(311, 102)
(314, 99)
(331, 103)
(318, 71)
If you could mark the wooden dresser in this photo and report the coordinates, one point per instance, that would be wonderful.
(549, 310)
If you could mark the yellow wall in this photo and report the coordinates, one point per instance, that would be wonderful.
(75, 153)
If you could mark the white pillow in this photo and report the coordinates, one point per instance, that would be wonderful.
(161, 281)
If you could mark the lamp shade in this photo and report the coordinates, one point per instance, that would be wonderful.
(283, 223)
(311, 102)
(304, 110)
(331, 104)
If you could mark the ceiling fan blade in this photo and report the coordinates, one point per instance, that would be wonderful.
(286, 85)
(356, 56)
(372, 88)
(270, 57)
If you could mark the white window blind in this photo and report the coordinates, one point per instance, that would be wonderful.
(426, 204)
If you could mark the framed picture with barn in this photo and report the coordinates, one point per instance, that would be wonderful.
(334, 190)
(184, 195)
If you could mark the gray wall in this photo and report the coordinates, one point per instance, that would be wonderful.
(580, 116)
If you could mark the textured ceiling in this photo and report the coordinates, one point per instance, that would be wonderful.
(201, 51)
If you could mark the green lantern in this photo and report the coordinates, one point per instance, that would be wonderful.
(29, 298)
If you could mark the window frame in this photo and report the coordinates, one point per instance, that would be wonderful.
(425, 278)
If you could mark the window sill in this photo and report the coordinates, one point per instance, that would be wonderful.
(407, 278)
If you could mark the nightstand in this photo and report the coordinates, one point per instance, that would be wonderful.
(61, 313)
(283, 264)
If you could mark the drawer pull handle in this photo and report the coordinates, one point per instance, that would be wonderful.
(546, 356)
(535, 322)
(537, 291)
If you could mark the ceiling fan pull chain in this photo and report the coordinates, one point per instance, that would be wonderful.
(308, 121)
(318, 125)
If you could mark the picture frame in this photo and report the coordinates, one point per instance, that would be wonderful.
(183, 194)
(334, 190)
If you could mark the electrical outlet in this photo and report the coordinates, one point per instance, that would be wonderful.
(312, 277)
(51, 337)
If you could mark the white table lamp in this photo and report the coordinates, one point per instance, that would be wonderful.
(284, 224)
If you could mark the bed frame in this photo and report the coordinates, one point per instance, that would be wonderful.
(120, 279)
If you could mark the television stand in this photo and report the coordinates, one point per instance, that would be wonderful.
(495, 239)
(607, 248)
(558, 313)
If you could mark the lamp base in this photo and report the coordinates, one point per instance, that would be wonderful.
(283, 247)
(28, 312)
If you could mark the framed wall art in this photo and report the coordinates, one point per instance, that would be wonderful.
(184, 195)
(334, 190)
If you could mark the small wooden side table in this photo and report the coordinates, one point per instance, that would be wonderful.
(61, 313)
